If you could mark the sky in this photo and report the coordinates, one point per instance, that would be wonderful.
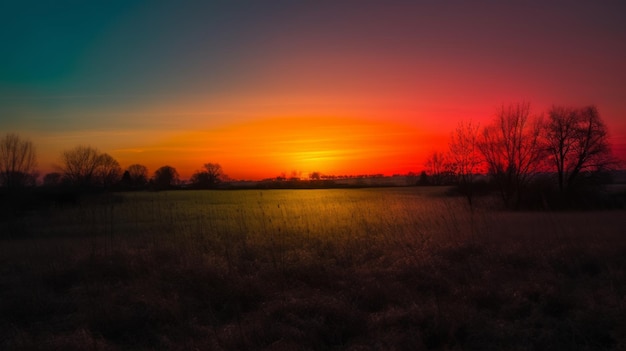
(266, 87)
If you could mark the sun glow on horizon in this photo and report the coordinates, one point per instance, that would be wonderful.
(269, 147)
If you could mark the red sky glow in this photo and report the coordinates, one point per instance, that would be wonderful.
(341, 87)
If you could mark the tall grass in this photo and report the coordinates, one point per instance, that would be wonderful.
(311, 269)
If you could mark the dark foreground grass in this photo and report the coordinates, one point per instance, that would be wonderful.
(531, 281)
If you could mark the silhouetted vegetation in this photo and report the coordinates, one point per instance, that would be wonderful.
(82, 267)
(209, 178)
(52, 179)
(85, 167)
(465, 157)
(165, 177)
(17, 162)
(512, 150)
(532, 162)
(108, 172)
(135, 176)
(561, 162)
(576, 140)
(440, 169)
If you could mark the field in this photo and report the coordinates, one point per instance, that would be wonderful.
(358, 269)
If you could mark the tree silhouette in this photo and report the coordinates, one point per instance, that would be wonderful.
(577, 141)
(165, 177)
(85, 166)
(80, 165)
(215, 173)
(137, 175)
(439, 168)
(465, 156)
(210, 177)
(200, 179)
(108, 171)
(17, 161)
(511, 149)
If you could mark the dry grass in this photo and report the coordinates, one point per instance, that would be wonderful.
(371, 269)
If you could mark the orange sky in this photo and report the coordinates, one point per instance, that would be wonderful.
(267, 147)
(265, 87)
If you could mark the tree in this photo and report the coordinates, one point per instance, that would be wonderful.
(511, 149)
(108, 171)
(17, 162)
(200, 179)
(137, 175)
(439, 168)
(84, 166)
(465, 156)
(165, 177)
(80, 165)
(577, 141)
(215, 173)
(208, 178)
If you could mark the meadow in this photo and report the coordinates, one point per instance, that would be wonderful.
(326, 269)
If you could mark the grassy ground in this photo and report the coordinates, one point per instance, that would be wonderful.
(371, 269)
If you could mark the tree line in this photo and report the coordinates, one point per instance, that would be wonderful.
(562, 152)
(84, 167)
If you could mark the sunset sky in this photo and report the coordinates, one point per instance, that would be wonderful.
(265, 87)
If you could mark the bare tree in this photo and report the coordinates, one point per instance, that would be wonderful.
(210, 177)
(577, 141)
(165, 177)
(17, 161)
(138, 174)
(439, 168)
(511, 149)
(86, 166)
(108, 171)
(80, 165)
(465, 156)
(215, 173)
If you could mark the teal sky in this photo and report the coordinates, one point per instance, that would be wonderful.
(121, 74)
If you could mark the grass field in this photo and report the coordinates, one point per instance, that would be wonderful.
(358, 269)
